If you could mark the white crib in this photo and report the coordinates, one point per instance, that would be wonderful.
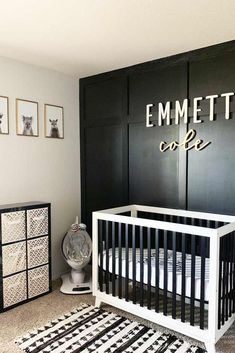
(173, 267)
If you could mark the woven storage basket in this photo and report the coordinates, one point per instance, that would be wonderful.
(13, 226)
(14, 289)
(13, 258)
(37, 222)
(38, 281)
(37, 252)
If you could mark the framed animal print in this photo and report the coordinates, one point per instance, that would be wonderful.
(4, 115)
(54, 121)
(26, 117)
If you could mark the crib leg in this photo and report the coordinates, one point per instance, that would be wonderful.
(97, 302)
(210, 347)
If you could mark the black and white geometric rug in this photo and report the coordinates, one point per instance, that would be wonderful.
(89, 329)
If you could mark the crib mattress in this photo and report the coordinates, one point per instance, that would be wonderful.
(161, 270)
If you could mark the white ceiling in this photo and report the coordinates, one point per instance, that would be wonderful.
(85, 37)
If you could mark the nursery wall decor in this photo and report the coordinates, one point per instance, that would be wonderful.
(26, 117)
(54, 121)
(132, 168)
(167, 116)
(4, 115)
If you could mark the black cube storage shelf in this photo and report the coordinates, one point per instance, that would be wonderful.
(25, 252)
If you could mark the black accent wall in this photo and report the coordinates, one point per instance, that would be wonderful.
(120, 158)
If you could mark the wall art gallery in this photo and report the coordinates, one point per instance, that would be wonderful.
(27, 118)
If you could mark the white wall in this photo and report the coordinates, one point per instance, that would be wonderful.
(39, 168)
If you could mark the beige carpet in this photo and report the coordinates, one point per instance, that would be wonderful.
(24, 318)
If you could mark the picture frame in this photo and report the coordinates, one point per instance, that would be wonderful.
(53, 121)
(4, 115)
(27, 118)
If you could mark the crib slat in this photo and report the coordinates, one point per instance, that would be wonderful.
(141, 268)
(127, 264)
(149, 268)
(227, 274)
(220, 287)
(165, 275)
(107, 256)
(192, 296)
(202, 289)
(113, 260)
(233, 257)
(101, 255)
(157, 270)
(134, 264)
(174, 276)
(230, 272)
(212, 224)
(208, 224)
(120, 260)
(224, 281)
(233, 272)
(183, 279)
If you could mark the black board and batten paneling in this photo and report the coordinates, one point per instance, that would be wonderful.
(212, 186)
(104, 166)
(120, 158)
(103, 145)
(154, 176)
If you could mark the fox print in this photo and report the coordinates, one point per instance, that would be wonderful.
(54, 128)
